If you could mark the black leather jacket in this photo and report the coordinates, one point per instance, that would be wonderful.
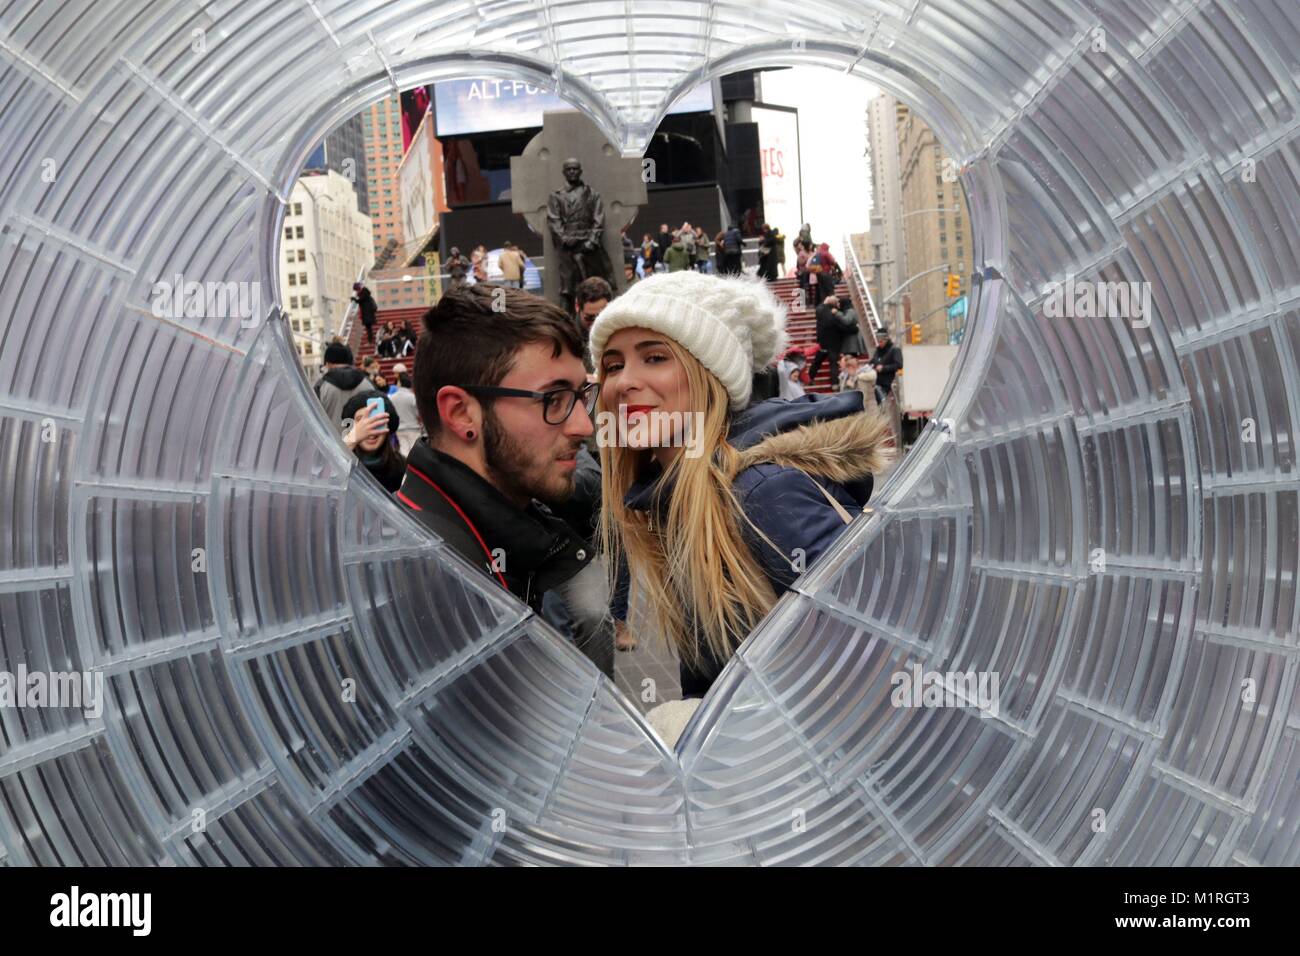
(528, 552)
(891, 361)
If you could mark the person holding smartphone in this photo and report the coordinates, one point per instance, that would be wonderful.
(370, 423)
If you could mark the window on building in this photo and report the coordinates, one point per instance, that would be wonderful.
(288, 232)
(302, 278)
(297, 209)
(302, 255)
(298, 234)
(288, 255)
(293, 304)
(293, 279)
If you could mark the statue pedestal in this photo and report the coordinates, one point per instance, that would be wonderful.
(538, 172)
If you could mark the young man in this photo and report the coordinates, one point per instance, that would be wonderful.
(732, 245)
(457, 267)
(663, 241)
(589, 299)
(830, 336)
(511, 264)
(591, 296)
(506, 405)
(888, 362)
(339, 381)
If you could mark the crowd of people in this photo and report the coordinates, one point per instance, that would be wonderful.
(493, 444)
(396, 343)
(839, 344)
(689, 247)
(512, 264)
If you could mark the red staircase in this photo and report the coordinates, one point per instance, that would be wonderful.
(362, 349)
(802, 326)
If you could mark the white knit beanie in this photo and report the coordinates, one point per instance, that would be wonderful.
(734, 325)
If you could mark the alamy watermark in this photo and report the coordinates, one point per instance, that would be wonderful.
(81, 690)
(133, 911)
(651, 429)
(1085, 299)
(917, 687)
(208, 300)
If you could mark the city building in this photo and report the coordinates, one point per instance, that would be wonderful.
(936, 227)
(888, 261)
(866, 248)
(326, 242)
(344, 152)
(382, 134)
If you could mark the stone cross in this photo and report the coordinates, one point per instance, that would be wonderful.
(537, 173)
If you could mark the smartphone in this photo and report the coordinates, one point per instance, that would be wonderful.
(377, 407)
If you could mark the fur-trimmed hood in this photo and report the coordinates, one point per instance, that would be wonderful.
(830, 436)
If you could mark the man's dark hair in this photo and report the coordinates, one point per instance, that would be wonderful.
(592, 290)
(466, 341)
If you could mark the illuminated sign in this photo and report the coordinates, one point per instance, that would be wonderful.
(483, 105)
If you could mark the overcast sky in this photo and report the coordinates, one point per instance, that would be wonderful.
(832, 147)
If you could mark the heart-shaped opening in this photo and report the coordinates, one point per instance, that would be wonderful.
(462, 160)
(288, 678)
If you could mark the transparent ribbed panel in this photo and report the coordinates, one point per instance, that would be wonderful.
(332, 687)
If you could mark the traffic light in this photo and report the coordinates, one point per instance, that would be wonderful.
(954, 285)
(916, 335)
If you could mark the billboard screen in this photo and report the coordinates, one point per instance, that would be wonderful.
(778, 150)
(414, 103)
(482, 105)
(415, 178)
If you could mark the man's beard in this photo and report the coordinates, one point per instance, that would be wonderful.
(518, 470)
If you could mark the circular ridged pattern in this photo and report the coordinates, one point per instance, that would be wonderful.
(295, 672)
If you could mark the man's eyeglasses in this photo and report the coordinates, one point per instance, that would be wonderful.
(557, 404)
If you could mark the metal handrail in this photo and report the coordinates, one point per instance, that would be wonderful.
(345, 327)
(860, 283)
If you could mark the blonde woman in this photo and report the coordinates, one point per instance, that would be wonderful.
(714, 505)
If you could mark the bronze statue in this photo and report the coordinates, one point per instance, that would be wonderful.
(576, 216)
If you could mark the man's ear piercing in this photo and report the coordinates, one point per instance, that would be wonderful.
(470, 433)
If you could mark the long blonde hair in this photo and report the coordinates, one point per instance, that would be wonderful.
(701, 582)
